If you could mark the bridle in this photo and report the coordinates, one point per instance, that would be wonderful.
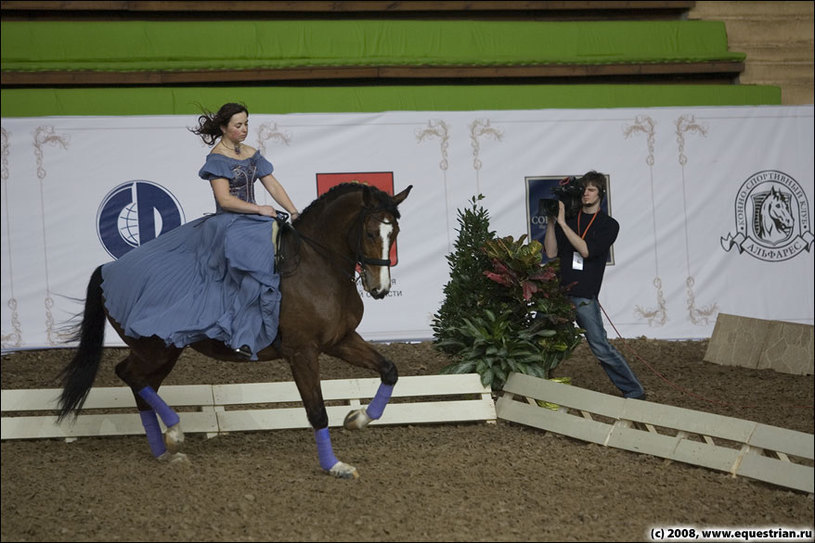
(361, 258)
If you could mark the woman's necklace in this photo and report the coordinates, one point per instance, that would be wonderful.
(237, 147)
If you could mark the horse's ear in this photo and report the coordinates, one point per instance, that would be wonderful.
(399, 198)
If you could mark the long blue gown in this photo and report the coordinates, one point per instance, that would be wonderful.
(213, 277)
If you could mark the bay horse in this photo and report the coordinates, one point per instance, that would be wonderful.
(348, 230)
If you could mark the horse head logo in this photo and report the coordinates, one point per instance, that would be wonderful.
(774, 217)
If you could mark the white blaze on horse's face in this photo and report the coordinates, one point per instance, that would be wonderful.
(385, 231)
(380, 234)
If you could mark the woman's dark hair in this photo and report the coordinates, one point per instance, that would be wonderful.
(209, 124)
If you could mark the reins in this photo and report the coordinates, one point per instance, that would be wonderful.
(320, 249)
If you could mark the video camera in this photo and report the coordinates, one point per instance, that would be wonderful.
(569, 190)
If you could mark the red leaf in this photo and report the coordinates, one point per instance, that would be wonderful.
(498, 278)
(529, 290)
(500, 266)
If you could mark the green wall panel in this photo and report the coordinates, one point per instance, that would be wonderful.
(196, 45)
(185, 100)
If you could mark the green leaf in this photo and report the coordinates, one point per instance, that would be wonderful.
(536, 370)
(487, 378)
(459, 368)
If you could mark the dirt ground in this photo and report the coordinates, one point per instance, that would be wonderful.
(466, 482)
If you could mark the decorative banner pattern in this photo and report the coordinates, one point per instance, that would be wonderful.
(713, 203)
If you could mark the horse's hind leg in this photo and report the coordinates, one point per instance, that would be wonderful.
(356, 351)
(144, 378)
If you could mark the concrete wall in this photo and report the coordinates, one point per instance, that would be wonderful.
(786, 347)
(777, 38)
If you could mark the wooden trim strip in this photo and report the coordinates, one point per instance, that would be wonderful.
(343, 6)
(722, 69)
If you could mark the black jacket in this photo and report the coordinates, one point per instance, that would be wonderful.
(601, 234)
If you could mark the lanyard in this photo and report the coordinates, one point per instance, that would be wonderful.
(583, 236)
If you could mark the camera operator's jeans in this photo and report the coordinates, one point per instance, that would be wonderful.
(615, 366)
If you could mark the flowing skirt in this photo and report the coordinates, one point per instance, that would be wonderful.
(210, 278)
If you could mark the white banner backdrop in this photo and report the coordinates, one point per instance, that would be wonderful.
(689, 187)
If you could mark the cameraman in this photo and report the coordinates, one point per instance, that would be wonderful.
(582, 243)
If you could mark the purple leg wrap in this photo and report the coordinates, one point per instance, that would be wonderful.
(324, 451)
(154, 437)
(168, 416)
(377, 405)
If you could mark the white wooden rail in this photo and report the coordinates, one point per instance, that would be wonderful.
(736, 446)
(739, 447)
(214, 409)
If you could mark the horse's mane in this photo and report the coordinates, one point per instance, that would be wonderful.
(384, 201)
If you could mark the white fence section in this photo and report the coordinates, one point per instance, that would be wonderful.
(739, 447)
(214, 409)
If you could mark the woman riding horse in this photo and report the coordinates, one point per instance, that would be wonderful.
(211, 284)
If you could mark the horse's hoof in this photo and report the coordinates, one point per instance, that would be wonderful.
(173, 438)
(356, 420)
(173, 458)
(341, 470)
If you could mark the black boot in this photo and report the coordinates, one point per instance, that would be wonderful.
(244, 351)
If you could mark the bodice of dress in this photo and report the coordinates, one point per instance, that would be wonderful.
(241, 174)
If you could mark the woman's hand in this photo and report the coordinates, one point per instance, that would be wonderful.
(267, 211)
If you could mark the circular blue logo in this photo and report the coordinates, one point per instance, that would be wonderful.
(134, 213)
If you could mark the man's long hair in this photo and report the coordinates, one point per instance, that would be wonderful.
(595, 179)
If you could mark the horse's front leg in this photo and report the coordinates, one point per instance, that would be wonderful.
(355, 350)
(306, 373)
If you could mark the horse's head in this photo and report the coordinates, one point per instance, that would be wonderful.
(379, 228)
(776, 217)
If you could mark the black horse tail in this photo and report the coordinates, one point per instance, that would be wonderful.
(78, 376)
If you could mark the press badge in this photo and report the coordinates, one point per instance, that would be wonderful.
(577, 261)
